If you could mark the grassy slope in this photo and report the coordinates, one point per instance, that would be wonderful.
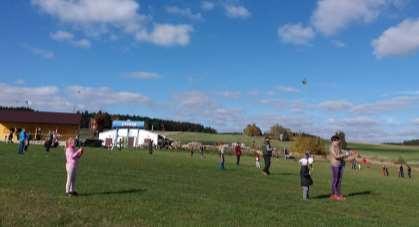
(186, 137)
(389, 152)
(378, 152)
(134, 188)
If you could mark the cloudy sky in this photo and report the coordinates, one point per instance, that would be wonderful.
(219, 62)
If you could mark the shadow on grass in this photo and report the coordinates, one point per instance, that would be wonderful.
(121, 192)
(354, 194)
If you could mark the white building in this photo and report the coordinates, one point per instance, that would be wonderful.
(131, 137)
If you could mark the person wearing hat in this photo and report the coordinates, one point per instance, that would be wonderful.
(337, 158)
(306, 180)
(267, 156)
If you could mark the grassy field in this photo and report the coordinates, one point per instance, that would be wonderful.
(389, 152)
(133, 188)
(212, 139)
(376, 152)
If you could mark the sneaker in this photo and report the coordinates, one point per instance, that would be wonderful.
(334, 197)
(68, 194)
(264, 173)
(341, 198)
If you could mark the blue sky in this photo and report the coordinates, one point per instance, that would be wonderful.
(221, 63)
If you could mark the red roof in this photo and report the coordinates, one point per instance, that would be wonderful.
(15, 116)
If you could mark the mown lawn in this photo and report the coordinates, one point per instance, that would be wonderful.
(133, 188)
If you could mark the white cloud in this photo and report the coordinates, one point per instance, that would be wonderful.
(42, 97)
(392, 104)
(336, 105)
(64, 36)
(122, 12)
(401, 39)
(43, 53)
(416, 121)
(54, 98)
(338, 44)
(187, 12)
(296, 34)
(207, 5)
(287, 89)
(332, 16)
(144, 75)
(98, 17)
(99, 97)
(230, 94)
(237, 11)
(197, 106)
(168, 35)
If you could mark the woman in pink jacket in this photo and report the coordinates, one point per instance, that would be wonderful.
(72, 156)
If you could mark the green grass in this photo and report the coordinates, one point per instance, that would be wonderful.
(206, 138)
(389, 152)
(171, 189)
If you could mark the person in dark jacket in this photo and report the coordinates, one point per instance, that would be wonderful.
(267, 156)
(238, 151)
(409, 171)
(306, 180)
(401, 171)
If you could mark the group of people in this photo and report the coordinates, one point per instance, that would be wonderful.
(337, 157)
(401, 171)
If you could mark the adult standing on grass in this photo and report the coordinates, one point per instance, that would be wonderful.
(337, 158)
(238, 151)
(409, 171)
(267, 156)
(22, 141)
(72, 156)
(222, 149)
(150, 146)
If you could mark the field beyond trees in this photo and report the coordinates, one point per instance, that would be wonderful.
(133, 188)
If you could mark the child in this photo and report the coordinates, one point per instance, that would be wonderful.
(306, 180)
(72, 155)
(258, 159)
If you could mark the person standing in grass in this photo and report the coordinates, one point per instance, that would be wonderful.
(72, 156)
(401, 171)
(409, 171)
(238, 151)
(202, 150)
(267, 156)
(337, 158)
(222, 149)
(306, 180)
(22, 141)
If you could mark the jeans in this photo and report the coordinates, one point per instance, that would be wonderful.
(337, 173)
(21, 147)
(267, 164)
(238, 160)
(70, 186)
(222, 167)
(306, 192)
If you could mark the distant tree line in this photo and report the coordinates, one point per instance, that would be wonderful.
(17, 108)
(407, 143)
(104, 121)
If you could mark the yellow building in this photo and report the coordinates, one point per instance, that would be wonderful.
(38, 124)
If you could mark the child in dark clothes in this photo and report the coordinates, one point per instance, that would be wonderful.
(306, 180)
